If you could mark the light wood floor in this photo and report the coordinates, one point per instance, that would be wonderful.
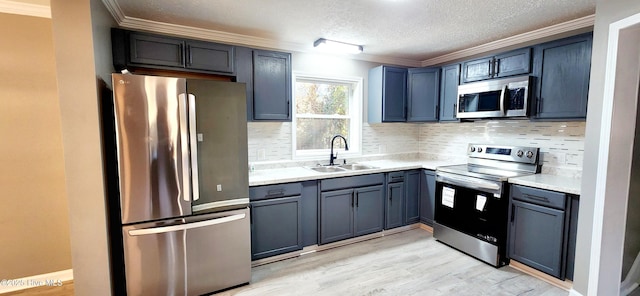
(407, 263)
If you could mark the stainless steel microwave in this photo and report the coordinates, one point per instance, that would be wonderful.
(499, 98)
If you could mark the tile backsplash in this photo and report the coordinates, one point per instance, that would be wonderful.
(561, 143)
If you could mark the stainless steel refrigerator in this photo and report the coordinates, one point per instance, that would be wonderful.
(183, 184)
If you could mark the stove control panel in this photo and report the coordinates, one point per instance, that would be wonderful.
(506, 153)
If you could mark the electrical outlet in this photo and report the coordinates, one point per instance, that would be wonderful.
(261, 154)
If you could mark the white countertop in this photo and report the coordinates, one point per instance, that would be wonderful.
(298, 174)
(550, 182)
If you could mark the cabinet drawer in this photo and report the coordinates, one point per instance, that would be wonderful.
(273, 191)
(395, 177)
(539, 196)
(351, 182)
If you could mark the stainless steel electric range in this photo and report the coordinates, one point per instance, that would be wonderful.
(472, 200)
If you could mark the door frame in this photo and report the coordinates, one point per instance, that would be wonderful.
(615, 154)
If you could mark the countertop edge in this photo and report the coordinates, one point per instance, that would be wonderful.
(300, 174)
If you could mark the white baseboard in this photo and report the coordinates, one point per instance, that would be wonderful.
(53, 279)
(573, 292)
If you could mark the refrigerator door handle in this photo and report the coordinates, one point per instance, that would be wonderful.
(173, 228)
(194, 147)
(186, 182)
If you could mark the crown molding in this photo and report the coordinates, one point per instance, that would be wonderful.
(569, 26)
(115, 10)
(231, 38)
(264, 43)
(21, 8)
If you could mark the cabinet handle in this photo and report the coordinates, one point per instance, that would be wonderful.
(189, 54)
(496, 67)
(356, 199)
(539, 107)
(513, 210)
(250, 215)
(455, 110)
(275, 192)
(491, 66)
(539, 198)
(288, 109)
(352, 199)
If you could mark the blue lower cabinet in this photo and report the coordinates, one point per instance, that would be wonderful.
(368, 210)
(412, 197)
(542, 230)
(427, 196)
(276, 226)
(336, 215)
(395, 205)
(351, 212)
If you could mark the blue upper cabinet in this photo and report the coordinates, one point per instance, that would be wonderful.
(209, 56)
(449, 92)
(562, 68)
(516, 62)
(143, 50)
(387, 94)
(271, 86)
(423, 89)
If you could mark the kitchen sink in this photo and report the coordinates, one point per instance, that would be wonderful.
(357, 167)
(341, 168)
(327, 169)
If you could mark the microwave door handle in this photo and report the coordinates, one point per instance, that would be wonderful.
(503, 94)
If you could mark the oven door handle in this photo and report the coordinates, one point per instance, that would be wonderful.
(469, 182)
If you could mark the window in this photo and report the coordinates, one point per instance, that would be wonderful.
(325, 107)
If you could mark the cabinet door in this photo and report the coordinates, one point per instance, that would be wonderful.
(427, 196)
(394, 98)
(563, 67)
(336, 215)
(395, 205)
(517, 62)
(476, 70)
(156, 50)
(412, 197)
(536, 237)
(449, 92)
(271, 86)
(210, 56)
(369, 210)
(422, 97)
(276, 226)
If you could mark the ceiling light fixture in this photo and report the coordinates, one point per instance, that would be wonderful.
(336, 46)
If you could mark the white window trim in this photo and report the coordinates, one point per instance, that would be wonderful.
(355, 140)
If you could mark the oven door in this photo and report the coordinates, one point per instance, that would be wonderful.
(474, 207)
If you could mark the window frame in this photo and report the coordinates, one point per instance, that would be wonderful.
(355, 116)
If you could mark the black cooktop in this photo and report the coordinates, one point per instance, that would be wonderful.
(483, 172)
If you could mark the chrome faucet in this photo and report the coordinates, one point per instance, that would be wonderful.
(346, 147)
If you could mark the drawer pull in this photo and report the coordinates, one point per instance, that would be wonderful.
(540, 198)
(275, 192)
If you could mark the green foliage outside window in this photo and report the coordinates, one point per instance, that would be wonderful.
(322, 111)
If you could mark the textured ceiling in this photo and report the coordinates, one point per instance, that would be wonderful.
(410, 29)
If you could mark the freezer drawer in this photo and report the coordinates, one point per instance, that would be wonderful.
(190, 256)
